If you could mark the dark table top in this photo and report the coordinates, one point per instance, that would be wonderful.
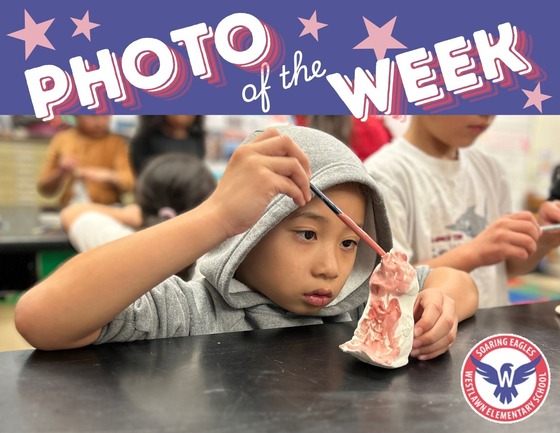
(286, 380)
(28, 229)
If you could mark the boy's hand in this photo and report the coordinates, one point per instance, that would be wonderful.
(270, 164)
(549, 213)
(512, 236)
(435, 326)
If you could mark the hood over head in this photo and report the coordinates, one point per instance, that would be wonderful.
(332, 163)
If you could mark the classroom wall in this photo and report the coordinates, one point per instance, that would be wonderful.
(20, 163)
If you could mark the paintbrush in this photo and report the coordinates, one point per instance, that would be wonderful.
(348, 221)
(550, 227)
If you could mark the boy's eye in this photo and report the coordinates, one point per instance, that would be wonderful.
(349, 243)
(308, 235)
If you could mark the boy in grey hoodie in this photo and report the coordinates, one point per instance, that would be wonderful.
(273, 257)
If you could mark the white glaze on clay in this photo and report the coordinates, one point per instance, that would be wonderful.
(384, 333)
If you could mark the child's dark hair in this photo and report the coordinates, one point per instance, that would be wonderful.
(171, 184)
(339, 126)
(149, 123)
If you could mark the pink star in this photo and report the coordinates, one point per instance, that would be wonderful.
(84, 26)
(33, 34)
(379, 39)
(311, 26)
(535, 97)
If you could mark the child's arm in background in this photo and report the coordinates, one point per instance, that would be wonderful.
(549, 213)
(449, 297)
(119, 175)
(56, 168)
(131, 215)
(515, 239)
(69, 308)
(512, 237)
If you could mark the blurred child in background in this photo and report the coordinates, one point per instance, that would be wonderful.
(169, 185)
(161, 134)
(363, 137)
(87, 163)
(449, 205)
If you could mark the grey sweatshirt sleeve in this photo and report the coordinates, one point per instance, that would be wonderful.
(422, 273)
(165, 311)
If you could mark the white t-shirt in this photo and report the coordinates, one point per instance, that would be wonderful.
(92, 229)
(435, 205)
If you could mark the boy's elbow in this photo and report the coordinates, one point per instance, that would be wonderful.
(33, 326)
(30, 326)
(26, 323)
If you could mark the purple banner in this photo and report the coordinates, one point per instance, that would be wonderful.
(293, 57)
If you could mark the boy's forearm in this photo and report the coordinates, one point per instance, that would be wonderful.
(459, 286)
(68, 308)
(516, 267)
(462, 258)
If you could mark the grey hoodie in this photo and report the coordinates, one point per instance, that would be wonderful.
(220, 303)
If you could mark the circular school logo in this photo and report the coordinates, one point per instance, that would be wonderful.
(505, 378)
